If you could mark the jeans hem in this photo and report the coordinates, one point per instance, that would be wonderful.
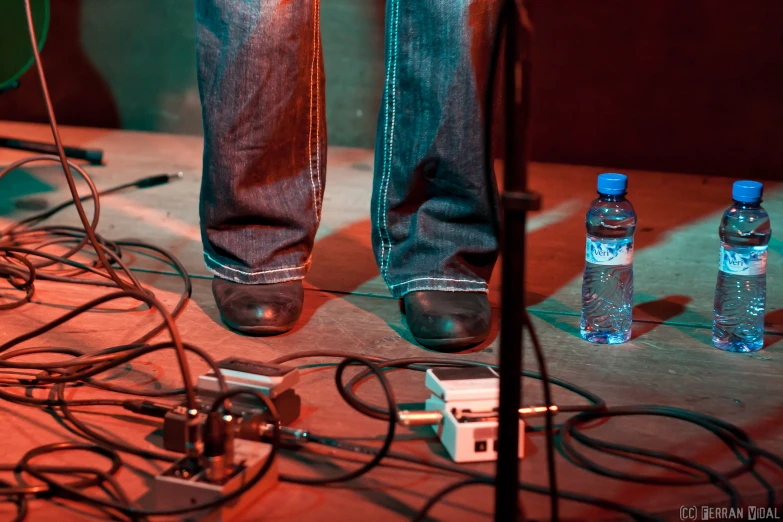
(442, 284)
(261, 277)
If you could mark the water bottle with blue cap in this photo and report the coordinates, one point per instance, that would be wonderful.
(607, 287)
(741, 292)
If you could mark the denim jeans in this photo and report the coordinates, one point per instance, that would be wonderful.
(261, 80)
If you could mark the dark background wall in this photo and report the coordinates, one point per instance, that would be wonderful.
(691, 86)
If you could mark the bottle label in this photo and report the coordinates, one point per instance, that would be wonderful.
(602, 251)
(743, 260)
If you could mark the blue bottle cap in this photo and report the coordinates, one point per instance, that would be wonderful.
(612, 183)
(747, 191)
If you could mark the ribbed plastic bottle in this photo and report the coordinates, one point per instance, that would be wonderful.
(741, 292)
(607, 287)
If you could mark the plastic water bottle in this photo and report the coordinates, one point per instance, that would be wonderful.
(607, 287)
(741, 292)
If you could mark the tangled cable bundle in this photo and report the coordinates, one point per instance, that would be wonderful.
(32, 251)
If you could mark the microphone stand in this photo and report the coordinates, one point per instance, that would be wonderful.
(517, 202)
(93, 156)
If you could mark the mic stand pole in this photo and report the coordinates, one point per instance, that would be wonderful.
(517, 201)
(93, 156)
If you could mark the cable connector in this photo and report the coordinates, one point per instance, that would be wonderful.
(218, 457)
(534, 411)
(287, 434)
(182, 429)
(410, 418)
(148, 408)
(158, 179)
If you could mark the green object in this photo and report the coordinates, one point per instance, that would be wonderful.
(16, 56)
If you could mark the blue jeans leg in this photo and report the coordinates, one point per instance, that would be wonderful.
(432, 209)
(261, 81)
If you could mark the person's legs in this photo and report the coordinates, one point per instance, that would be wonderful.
(261, 80)
(432, 210)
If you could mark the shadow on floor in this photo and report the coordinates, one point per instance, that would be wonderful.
(773, 321)
(647, 316)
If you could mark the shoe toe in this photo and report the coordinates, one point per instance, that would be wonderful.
(448, 320)
(259, 309)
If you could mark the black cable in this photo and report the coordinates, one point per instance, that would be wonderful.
(391, 425)
(390, 415)
(19, 500)
(596, 403)
(31, 401)
(423, 363)
(70, 492)
(145, 182)
(694, 472)
(25, 257)
(184, 297)
(178, 308)
(635, 513)
(9, 232)
(123, 446)
(63, 159)
(107, 252)
(190, 393)
(116, 491)
(437, 497)
(733, 437)
(78, 483)
(28, 278)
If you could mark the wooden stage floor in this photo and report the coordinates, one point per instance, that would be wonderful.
(669, 361)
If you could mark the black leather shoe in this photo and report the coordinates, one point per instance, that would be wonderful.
(259, 309)
(448, 321)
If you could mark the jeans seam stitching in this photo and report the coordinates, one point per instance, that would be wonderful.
(439, 279)
(391, 137)
(310, 133)
(238, 279)
(391, 104)
(253, 273)
(383, 167)
(318, 209)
